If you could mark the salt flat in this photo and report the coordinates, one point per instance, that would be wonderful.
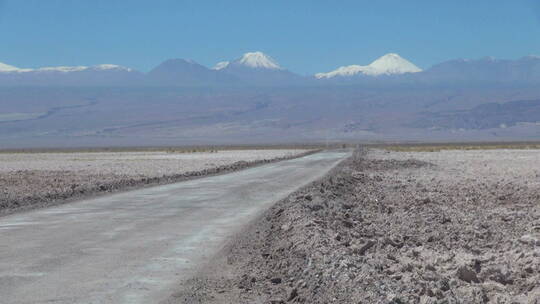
(29, 180)
(147, 164)
(136, 246)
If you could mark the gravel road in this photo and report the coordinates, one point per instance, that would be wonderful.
(135, 247)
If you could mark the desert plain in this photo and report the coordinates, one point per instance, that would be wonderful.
(389, 224)
(36, 179)
(449, 226)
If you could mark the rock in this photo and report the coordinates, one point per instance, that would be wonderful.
(466, 274)
(315, 207)
(445, 220)
(393, 243)
(347, 224)
(275, 280)
(469, 294)
(394, 299)
(427, 300)
(292, 294)
(347, 206)
(444, 285)
(500, 274)
(530, 239)
(362, 250)
(534, 296)
(430, 267)
(477, 266)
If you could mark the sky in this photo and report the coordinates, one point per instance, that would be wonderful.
(305, 37)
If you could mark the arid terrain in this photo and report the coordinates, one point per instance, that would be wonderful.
(136, 246)
(29, 180)
(451, 226)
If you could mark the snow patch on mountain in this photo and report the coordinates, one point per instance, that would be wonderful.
(221, 65)
(99, 67)
(103, 67)
(258, 60)
(63, 69)
(6, 68)
(389, 64)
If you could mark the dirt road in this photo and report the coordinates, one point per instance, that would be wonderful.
(135, 247)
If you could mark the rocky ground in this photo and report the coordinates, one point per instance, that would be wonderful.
(391, 227)
(30, 180)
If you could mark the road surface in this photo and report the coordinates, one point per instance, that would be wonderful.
(135, 247)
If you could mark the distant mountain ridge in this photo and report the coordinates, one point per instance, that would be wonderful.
(259, 69)
(101, 75)
(187, 72)
(5, 68)
(484, 70)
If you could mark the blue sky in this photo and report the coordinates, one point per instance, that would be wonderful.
(303, 36)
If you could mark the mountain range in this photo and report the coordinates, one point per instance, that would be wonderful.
(257, 68)
(253, 99)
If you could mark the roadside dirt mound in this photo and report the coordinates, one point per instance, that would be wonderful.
(383, 231)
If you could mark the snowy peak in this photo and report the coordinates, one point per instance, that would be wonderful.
(393, 64)
(257, 60)
(389, 64)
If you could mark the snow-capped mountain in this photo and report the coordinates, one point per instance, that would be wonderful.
(257, 68)
(252, 60)
(6, 68)
(257, 60)
(389, 64)
(102, 74)
(99, 67)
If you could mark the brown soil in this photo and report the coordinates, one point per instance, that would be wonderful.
(384, 230)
